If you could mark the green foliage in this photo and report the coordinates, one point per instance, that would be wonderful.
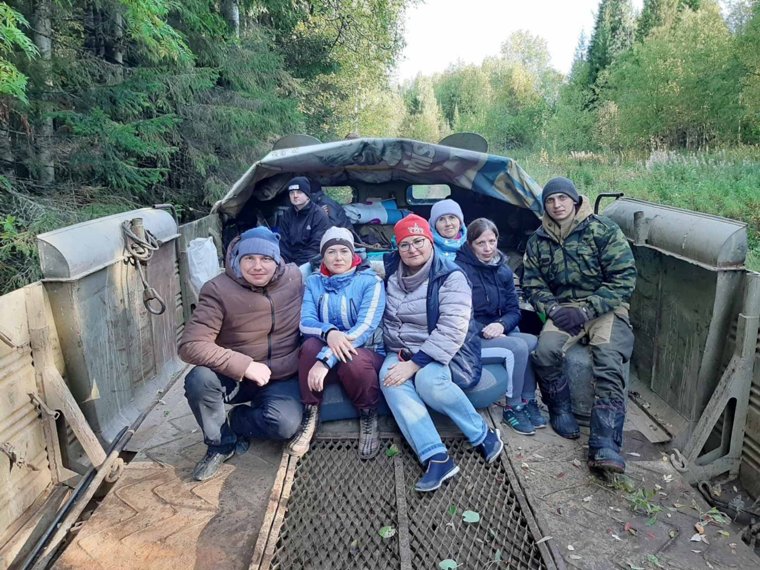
(747, 55)
(12, 81)
(612, 36)
(423, 120)
(146, 23)
(670, 96)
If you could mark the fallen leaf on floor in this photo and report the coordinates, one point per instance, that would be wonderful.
(735, 489)
(633, 454)
(654, 560)
(697, 551)
(448, 564)
(672, 533)
(525, 466)
(471, 517)
(668, 515)
(570, 547)
(699, 528)
(544, 539)
(724, 533)
(575, 557)
(588, 499)
(577, 462)
(696, 537)
(616, 537)
(387, 532)
(392, 451)
(634, 567)
(537, 456)
(630, 528)
(658, 487)
(668, 478)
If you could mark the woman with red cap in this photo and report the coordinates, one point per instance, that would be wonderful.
(433, 351)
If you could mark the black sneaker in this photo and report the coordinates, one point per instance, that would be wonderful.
(209, 465)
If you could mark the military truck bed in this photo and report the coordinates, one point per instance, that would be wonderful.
(157, 517)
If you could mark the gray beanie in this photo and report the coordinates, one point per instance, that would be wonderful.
(337, 236)
(256, 241)
(445, 208)
(560, 185)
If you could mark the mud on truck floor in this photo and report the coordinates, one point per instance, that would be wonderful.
(537, 508)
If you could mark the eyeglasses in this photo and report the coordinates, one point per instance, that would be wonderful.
(418, 243)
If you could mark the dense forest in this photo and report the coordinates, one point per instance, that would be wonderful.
(106, 105)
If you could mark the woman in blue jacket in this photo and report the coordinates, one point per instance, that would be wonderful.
(341, 310)
(449, 231)
(496, 308)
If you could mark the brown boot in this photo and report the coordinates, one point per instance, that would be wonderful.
(369, 437)
(299, 443)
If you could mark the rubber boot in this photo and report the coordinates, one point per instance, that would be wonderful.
(607, 418)
(556, 396)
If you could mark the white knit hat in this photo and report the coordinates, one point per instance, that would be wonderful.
(334, 236)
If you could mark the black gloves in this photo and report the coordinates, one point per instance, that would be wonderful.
(568, 319)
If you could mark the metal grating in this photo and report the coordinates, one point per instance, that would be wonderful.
(338, 504)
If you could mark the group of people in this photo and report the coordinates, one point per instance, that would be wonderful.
(415, 337)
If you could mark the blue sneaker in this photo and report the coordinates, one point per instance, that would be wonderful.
(440, 467)
(534, 413)
(518, 419)
(492, 445)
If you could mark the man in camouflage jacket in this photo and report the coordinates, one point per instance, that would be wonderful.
(580, 272)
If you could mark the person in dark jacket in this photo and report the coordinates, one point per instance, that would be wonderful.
(243, 339)
(303, 225)
(336, 215)
(580, 272)
(497, 310)
(432, 351)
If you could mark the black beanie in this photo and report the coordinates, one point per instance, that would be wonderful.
(300, 183)
(560, 185)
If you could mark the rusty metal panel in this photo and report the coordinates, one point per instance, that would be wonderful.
(338, 505)
(20, 427)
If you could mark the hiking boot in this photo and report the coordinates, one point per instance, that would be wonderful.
(492, 445)
(607, 419)
(560, 406)
(369, 437)
(534, 413)
(440, 467)
(209, 465)
(299, 443)
(517, 418)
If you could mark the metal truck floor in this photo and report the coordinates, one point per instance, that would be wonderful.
(156, 517)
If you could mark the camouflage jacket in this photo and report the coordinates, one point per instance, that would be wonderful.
(593, 265)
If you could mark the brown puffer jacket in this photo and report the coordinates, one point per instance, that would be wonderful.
(235, 323)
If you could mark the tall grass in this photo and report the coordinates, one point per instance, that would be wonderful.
(724, 183)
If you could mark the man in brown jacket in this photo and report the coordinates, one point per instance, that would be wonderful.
(243, 338)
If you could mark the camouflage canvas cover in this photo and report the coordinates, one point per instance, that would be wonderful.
(376, 161)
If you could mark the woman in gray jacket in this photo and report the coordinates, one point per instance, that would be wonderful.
(432, 351)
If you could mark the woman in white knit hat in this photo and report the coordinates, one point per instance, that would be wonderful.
(342, 307)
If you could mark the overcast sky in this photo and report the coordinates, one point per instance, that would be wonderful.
(440, 32)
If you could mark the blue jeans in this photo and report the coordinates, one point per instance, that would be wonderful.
(523, 378)
(431, 386)
(275, 411)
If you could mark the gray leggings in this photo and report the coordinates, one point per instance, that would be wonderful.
(523, 379)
